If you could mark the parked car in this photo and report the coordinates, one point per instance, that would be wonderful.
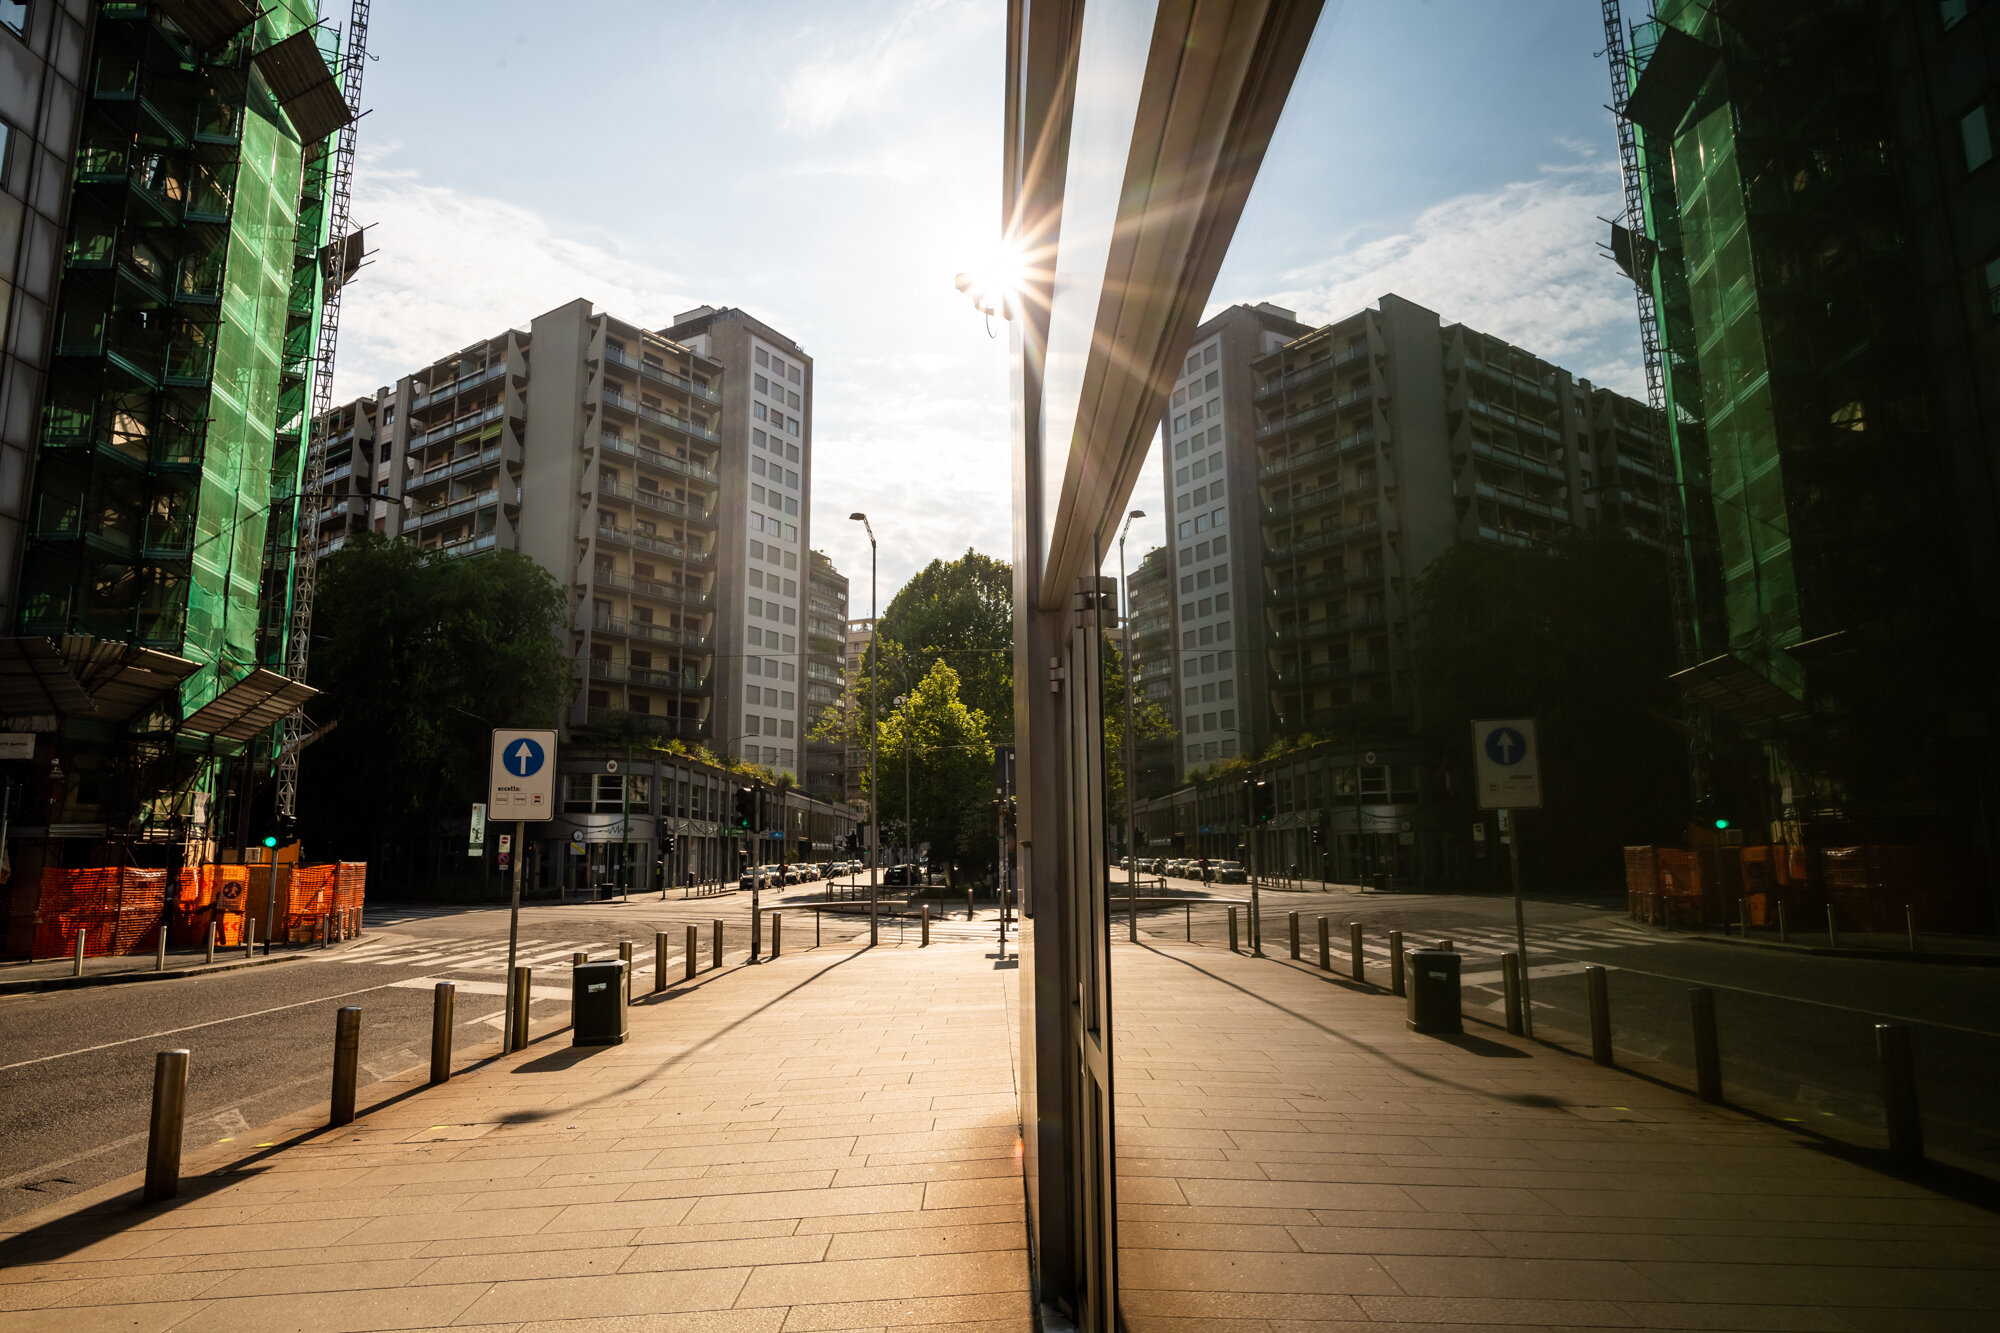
(1231, 872)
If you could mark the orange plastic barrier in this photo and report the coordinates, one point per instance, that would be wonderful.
(317, 891)
(118, 907)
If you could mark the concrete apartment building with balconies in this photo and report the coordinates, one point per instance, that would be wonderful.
(1150, 604)
(826, 675)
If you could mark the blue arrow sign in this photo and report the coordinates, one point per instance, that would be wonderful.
(524, 758)
(1506, 746)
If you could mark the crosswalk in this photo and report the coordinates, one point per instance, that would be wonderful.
(470, 957)
(1558, 952)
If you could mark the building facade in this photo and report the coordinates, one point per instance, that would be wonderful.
(1150, 608)
(826, 675)
(1822, 246)
(860, 637)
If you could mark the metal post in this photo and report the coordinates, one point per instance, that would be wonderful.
(819, 918)
(968, 903)
(1354, 949)
(80, 933)
(1292, 924)
(693, 951)
(441, 1006)
(325, 929)
(249, 935)
(1395, 962)
(1899, 1092)
(511, 1022)
(1743, 917)
(163, 1139)
(579, 958)
(160, 948)
(1910, 923)
(715, 943)
(659, 961)
(518, 995)
(777, 933)
(346, 1062)
(927, 927)
(1232, 930)
(1597, 987)
(874, 921)
(1707, 1055)
(1510, 991)
(625, 957)
(1832, 933)
(1325, 947)
(1520, 922)
(1784, 936)
(211, 942)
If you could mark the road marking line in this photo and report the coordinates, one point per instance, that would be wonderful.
(555, 994)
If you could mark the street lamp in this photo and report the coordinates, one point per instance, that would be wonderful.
(874, 662)
(1131, 750)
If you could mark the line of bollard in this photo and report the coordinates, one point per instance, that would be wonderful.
(163, 1138)
(1396, 962)
(1899, 1092)
(1707, 1052)
(346, 1063)
(715, 944)
(693, 951)
(441, 1006)
(625, 957)
(777, 932)
(211, 941)
(523, 988)
(926, 939)
(1597, 990)
(80, 933)
(1325, 948)
(1232, 930)
(1360, 964)
(1510, 991)
(659, 960)
(1292, 921)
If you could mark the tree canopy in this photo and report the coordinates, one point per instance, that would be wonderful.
(935, 747)
(418, 659)
(960, 612)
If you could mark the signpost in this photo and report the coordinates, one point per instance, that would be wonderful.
(1507, 771)
(521, 779)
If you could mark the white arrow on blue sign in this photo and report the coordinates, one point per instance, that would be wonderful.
(521, 777)
(524, 758)
(1506, 769)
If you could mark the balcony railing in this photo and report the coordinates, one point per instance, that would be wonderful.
(618, 444)
(638, 629)
(663, 375)
(456, 509)
(472, 462)
(1312, 414)
(1317, 541)
(458, 427)
(611, 532)
(459, 385)
(657, 417)
(1359, 439)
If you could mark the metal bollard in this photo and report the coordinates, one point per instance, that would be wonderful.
(693, 951)
(1899, 1092)
(1187, 921)
(1442, 946)
(777, 932)
(249, 934)
(1743, 917)
(160, 950)
(1232, 930)
(346, 1063)
(968, 902)
(326, 930)
(441, 1006)
(926, 939)
(579, 958)
(163, 1139)
(1360, 963)
(1396, 962)
(1292, 922)
(1784, 936)
(80, 933)
(1832, 934)
(1510, 991)
(1707, 1055)
(1325, 948)
(211, 942)
(625, 957)
(715, 944)
(659, 961)
(874, 921)
(1597, 990)
(523, 989)
(1910, 923)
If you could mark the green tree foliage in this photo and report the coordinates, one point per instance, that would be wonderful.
(938, 745)
(418, 659)
(960, 612)
(1577, 635)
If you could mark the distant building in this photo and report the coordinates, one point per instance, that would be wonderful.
(860, 635)
(1151, 601)
(826, 675)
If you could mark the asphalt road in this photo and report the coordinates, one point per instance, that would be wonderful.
(1796, 1031)
(76, 1066)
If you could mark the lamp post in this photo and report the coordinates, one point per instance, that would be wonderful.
(874, 660)
(1131, 749)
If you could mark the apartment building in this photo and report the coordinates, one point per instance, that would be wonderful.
(826, 675)
(1213, 516)
(1150, 608)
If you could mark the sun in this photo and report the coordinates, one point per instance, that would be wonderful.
(994, 286)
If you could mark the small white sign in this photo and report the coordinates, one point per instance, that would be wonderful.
(17, 745)
(1506, 768)
(476, 844)
(521, 781)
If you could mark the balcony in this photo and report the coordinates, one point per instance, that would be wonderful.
(684, 682)
(1311, 502)
(661, 375)
(636, 629)
(1526, 425)
(1366, 393)
(651, 500)
(618, 444)
(457, 509)
(653, 588)
(1517, 500)
(1306, 374)
(639, 541)
(1515, 458)
(458, 467)
(657, 417)
(1320, 541)
(456, 428)
(473, 545)
(651, 723)
(457, 386)
(1325, 453)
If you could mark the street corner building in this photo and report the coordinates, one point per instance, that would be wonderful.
(180, 174)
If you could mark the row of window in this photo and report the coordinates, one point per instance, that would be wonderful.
(1200, 523)
(779, 393)
(1208, 662)
(1206, 751)
(772, 555)
(1200, 722)
(758, 637)
(1202, 357)
(773, 611)
(1206, 606)
(1193, 387)
(789, 587)
(769, 726)
(1210, 440)
(777, 364)
(1209, 691)
(1215, 577)
(789, 503)
(1199, 495)
(769, 698)
(1206, 635)
(1196, 415)
(778, 448)
(1203, 550)
(1200, 468)
(783, 476)
(774, 525)
(779, 421)
(769, 667)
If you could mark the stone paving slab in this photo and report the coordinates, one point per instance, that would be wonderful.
(824, 1142)
(1292, 1157)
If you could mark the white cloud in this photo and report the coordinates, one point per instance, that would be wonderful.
(1520, 262)
(869, 73)
(451, 268)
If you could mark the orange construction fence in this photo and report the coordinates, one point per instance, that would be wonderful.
(117, 907)
(121, 908)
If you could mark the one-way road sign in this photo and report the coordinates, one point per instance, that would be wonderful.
(521, 779)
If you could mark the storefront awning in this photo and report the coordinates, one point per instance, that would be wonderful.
(256, 702)
(82, 676)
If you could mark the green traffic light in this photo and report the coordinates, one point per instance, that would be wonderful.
(1721, 823)
(270, 841)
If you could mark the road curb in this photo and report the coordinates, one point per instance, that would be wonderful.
(1836, 951)
(35, 984)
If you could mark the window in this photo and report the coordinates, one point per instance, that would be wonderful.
(791, 398)
(1200, 469)
(1207, 694)
(763, 357)
(791, 479)
(757, 466)
(791, 453)
(757, 493)
(1222, 632)
(791, 588)
(756, 606)
(13, 17)
(1198, 414)
(791, 505)
(1180, 397)
(1222, 601)
(763, 385)
(1180, 424)
(791, 645)
(757, 411)
(1180, 476)
(1215, 461)
(1215, 435)
(1187, 554)
(1187, 610)
(1208, 355)
(1187, 638)
(791, 560)
(756, 550)
(777, 365)
(1977, 137)
(791, 615)
(1221, 545)
(1216, 517)
(791, 427)
(1194, 363)
(1187, 582)
(1182, 503)
(1226, 690)
(6, 130)
(756, 637)
(759, 438)
(785, 698)
(1205, 607)
(770, 726)
(1185, 531)
(1201, 522)
(1180, 450)
(756, 578)
(756, 521)
(1214, 378)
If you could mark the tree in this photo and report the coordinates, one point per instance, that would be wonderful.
(418, 658)
(1579, 636)
(960, 612)
(938, 746)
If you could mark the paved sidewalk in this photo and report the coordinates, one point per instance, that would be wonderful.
(1292, 1157)
(825, 1142)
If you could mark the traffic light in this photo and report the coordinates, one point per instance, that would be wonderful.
(270, 840)
(746, 809)
(667, 844)
(1721, 824)
(1261, 802)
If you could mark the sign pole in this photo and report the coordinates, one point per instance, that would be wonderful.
(520, 784)
(513, 934)
(1507, 772)
(1520, 924)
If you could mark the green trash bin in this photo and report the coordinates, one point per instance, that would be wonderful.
(597, 1004)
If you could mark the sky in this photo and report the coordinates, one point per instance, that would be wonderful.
(830, 168)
